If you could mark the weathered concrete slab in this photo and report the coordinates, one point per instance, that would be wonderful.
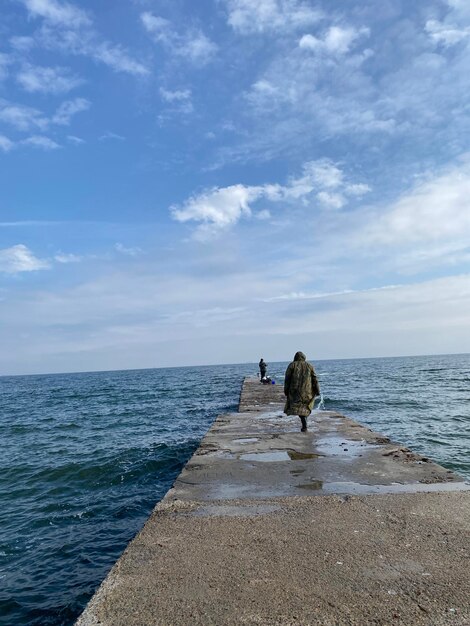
(262, 453)
(244, 538)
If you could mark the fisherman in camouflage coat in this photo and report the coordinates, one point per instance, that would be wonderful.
(300, 387)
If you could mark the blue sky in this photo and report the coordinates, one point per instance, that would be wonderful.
(207, 182)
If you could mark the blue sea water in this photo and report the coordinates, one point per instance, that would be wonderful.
(85, 457)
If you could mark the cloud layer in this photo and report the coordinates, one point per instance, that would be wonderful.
(194, 168)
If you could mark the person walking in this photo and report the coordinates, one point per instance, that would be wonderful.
(300, 388)
(262, 368)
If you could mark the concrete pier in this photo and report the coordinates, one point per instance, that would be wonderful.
(268, 525)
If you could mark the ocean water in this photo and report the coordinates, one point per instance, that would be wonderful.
(85, 457)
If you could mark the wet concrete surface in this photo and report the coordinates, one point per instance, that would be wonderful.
(268, 525)
(263, 452)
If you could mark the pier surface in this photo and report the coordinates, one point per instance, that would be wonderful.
(267, 525)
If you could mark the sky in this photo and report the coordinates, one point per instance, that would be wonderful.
(196, 182)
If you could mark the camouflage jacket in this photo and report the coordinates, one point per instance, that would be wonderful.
(300, 386)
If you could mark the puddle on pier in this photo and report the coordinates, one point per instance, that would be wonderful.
(321, 488)
(279, 455)
(342, 447)
(315, 485)
(302, 456)
(266, 415)
(247, 440)
(266, 457)
(239, 492)
(361, 488)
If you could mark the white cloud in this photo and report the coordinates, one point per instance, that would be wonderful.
(303, 94)
(417, 91)
(436, 209)
(75, 140)
(6, 144)
(328, 177)
(157, 26)
(22, 117)
(359, 189)
(86, 42)
(321, 92)
(331, 200)
(194, 46)
(69, 29)
(323, 172)
(301, 295)
(58, 13)
(264, 94)
(39, 141)
(198, 48)
(35, 141)
(68, 109)
(181, 95)
(116, 58)
(180, 101)
(264, 88)
(217, 208)
(18, 259)
(135, 251)
(249, 17)
(446, 34)
(64, 258)
(263, 215)
(108, 135)
(222, 207)
(25, 119)
(336, 40)
(53, 80)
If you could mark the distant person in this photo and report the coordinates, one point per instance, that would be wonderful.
(300, 387)
(262, 368)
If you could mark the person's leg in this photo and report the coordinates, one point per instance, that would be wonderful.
(304, 423)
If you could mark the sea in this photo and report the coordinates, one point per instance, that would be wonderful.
(85, 457)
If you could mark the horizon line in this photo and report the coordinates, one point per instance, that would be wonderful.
(166, 367)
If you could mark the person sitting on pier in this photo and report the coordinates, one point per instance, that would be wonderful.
(300, 387)
(262, 369)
